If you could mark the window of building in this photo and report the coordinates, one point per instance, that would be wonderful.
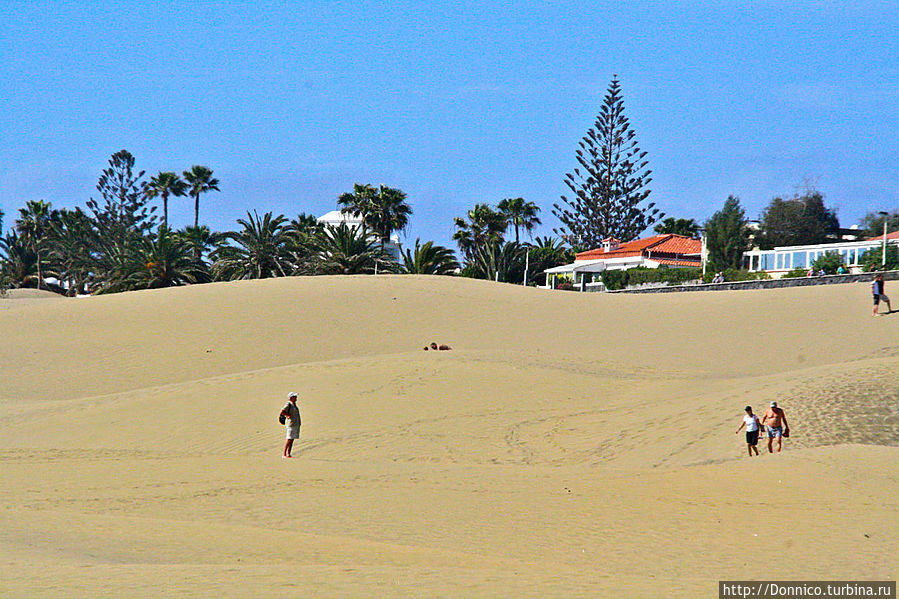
(800, 260)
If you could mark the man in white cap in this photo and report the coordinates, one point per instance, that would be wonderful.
(291, 413)
(775, 421)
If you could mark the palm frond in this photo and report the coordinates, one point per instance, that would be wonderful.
(429, 259)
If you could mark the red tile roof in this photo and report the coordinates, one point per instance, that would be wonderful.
(667, 244)
(679, 245)
(893, 235)
(628, 248)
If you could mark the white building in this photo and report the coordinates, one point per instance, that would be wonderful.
(336, 218)
(669, 250)
(781, 260)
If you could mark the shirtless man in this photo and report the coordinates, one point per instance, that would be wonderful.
(775, 422)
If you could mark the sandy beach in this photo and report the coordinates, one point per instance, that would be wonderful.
(570, 445)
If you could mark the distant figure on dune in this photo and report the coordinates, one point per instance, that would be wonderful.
(751, 422)
(879, 296)
(436, 347)
(775, 421)
(291, 415)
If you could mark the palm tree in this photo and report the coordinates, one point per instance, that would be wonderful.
(345, 250)
(18, 264)
(200, 180)
(429, 259)
(679, 226)
(71, 243)
(301, 232)
(166, 184)
(519, 213)
(500, 261)
(201, 241)
(383, 210)
(359, 202)
(261, 250)
(483, 225)
(389, 212)
(304, 223)
(32, 225)
(162, 261)
(111, 261)
(546, 252)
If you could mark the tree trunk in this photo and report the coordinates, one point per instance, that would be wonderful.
(197, 210)
(165, 210)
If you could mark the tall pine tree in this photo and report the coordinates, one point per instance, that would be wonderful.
(727, 236)
(121, 222)
(609, 187)
(125, 214)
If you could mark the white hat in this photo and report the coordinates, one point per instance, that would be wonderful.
(773, 404)
(292, 395)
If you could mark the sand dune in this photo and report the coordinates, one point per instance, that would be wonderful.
(569, 445)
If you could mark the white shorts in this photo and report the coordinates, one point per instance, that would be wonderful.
(293, 432)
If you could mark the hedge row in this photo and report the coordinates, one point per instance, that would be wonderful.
(620, 279)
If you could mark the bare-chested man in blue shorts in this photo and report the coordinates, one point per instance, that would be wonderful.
(775, 422)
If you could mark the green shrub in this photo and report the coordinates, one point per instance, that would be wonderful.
(5, 279)
(873, 258)
(796, 273)
(672, 276)
(829, 262)
(621, 279)
(468, 271)
(614, 279)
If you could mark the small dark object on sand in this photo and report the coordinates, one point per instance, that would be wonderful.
(436, 347)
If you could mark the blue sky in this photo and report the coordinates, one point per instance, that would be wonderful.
(454, 103)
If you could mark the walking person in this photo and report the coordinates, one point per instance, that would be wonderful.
(775, 422)
(879, 295)
(291, 414)
(751, 422)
